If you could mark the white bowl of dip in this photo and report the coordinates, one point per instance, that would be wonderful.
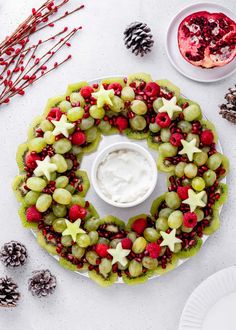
(124, 174)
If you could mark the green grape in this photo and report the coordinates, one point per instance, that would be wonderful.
(172, 200)
(165, 134)
(62, 146)
(53, 176)
(206, 149)
(49, 137)
(77, 199)
(62, 181)
(149, 263)
(163, 250)
(105, 266)
(200, 214)
(92, 257)
(59, 210)
(138, 107)
(96, 113)
(46, 125)
(91, 134)
(70, 188)
(62, 196)
(75, 114)
(117, 104)
(86, 123)
(64, 106)
(114, 243)
(151, 235)
(43, 202)
(37, 144)
(186, 182)
(77, 97)
(77, 251)
(92, 224)
(127, 94)
(167, 150)
(162, 224)
(198, 184)
(76, 150)
(177, 247)
(36, 184)
(59, 225)
(104, 126)
(139, 245)
(214, 161)
(83, 240)
(200, 158)
(179, 169)
(135, 268)
(192, 112)
(61, 163)
(175, 219)
(164, 213)
(93, 235)
(154, 128)
(157, 104)
(132, 236)
(192, 136)
(103, 240)
(138, 123)
(69, 164)
(185, 126)
(31, 197)
(49, 218)
(190, 170)
(66, 240)
(209, 178)
(186, 229)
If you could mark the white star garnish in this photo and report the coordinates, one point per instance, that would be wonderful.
(45, 167)
(62, 126)
(195, 199)
(119, 255)
(189, 148)
(103, 96)
(73, 228)
(170, 106)
(169, 239)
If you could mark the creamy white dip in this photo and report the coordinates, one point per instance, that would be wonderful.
(124, 176)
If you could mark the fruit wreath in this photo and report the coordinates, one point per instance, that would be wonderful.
(51, 187)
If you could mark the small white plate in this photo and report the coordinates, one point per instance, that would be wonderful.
(176, 59)
(212, 304)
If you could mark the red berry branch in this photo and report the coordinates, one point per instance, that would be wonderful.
(22, 62)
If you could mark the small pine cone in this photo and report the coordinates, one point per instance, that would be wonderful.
(9, 294)
(42, 283)
(13, 254)
(138, 37)
(231, 96)
(230, 115)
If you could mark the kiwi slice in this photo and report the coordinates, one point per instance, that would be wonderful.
(77, 200)
(225, 164)
(132, 220)
(76, 87)
(83, 176)
(214, 224)
(206, 124)
(18, 187)
(93, 211)
(156, 203)
(182, 100)
(138, 78)
(91, 147)
(113, 80)
(151, 143)
(52, 103)
(136, 135)
(67, 264)
(183, 254)
(110, 219)
(166, 85)
(170, 266)
(34, 125)
(25, 223)
(163, 165)
(137, 280)
(223, 190)
(101, 280)
(20, 156)
(45, 245)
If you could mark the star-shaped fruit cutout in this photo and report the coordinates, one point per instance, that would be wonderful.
(169, 239)
(103, 96)
(45, 167)
(119, 255)
(73, 228)
(170, 106)
(62, 126)
(189, 148)
(195, 199)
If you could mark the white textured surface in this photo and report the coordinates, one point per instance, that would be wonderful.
(99, 51)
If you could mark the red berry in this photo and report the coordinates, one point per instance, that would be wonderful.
(163, 119)
(121, 123)
(101, 250)
(139, 225)
(30, 160)
(116, 86)
(207, 137)
(175, 139)
(77, 212)
(33, 215)
(154, 250)
(152, 89)
(126, 243)
(54, 114)
(78, 138)
(183, 192)
(190, 220)
(86, 91)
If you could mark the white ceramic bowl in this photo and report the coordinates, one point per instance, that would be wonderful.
(123, 146)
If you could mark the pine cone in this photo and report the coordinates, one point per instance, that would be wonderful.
(9, 294)
(137, 36)
(13, 254)
(42, 283)
(228, 110)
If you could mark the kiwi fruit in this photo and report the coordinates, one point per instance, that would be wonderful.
(91, 147)
(214, 224)
(52, 103)
(138, 78)
(163, 165)
(137, 280)
(93, 212)
(111, 131)
(83, 176)
(183, 254)
(78, 200)
(156, 203)
(34, 125)
(25, 223)
(151, 142)
(113, 80)
(166, 85)
(46, 246)
(131, 134)
(75, 87)
(132, 220)
(206, 124)
(225, 164)
(101, 280)
(170, 266)
(67, 264)
(223, 190)
(18, 187)
(110, 219)
(20, 156)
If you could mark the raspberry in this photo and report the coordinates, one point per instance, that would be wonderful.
(163, 119)
(77, 212)
(139, 225)
(30, 160)
(175, 139)
(54, 114)
(126, 243)
(183, 192)
(152, 89)
(190, 219)
(154, 250)
(207, 137)
(121, 123)
(86, 91)
(78, 138)
(116, 86)
(33, 215)
(101, 250)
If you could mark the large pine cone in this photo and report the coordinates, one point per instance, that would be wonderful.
(9, 294)
(228, 110)
(42, 283)
(13, 254)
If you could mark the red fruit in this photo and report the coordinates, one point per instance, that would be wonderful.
(33, 215)
(77, 212)
(154, 250)
(163, 119)
(183, 192)
(122, 123)
(101, 250)
(207, 137)
(30, 160)
(175, 139)
(54, 114)
(78, 138)
(190, 219)
(139, 225)
(126, 243)
(207, 39)
(86, 91)
(152, 89)
(116, 86)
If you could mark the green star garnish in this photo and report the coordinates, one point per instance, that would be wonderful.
(169, 239)
(62, 126)
(119, 255)
(73, 228)
(189, 148)
(170, 106)
(103, 96)
(45, 167)
(195, 199)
